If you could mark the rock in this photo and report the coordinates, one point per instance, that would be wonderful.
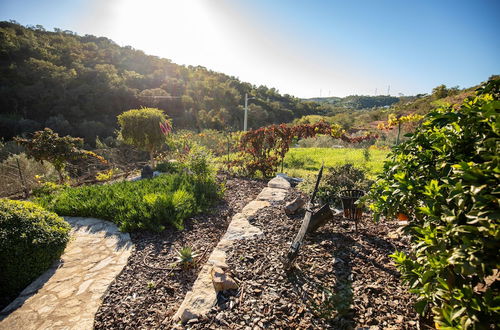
(294, 205)
(279, 182)
(272, 194)
(221, 280)
(293, 181)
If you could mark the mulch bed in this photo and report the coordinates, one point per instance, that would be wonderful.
(341, 280)
(149, 289)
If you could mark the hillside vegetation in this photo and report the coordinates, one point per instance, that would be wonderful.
(79, 84)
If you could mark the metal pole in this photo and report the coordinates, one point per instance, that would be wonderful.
(246, 113)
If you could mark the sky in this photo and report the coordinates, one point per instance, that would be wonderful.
(306, 48)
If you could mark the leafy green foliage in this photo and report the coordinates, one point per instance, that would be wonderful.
(446, 180)
(48, 146)
(47, 188)
(185, 256)
(141, 128)
(73, 83)
(335, 179)
(145, 204)
(31, 238)
(263, 149)
(359, 101)
(168, 167)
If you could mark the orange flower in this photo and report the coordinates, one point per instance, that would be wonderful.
(402, 217)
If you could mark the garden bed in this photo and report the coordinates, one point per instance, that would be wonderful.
(148, 289)
(343, 280)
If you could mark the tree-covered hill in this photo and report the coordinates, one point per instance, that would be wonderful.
(358, 102)
(78, 85)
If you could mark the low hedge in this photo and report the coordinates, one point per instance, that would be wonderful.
(145, 204)
(31, 238)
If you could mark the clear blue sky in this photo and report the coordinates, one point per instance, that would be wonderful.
(299, 47)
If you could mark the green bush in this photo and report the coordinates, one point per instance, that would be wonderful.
(168, 167)
(446, 180)
(335, 179)
(31, 238)
(47, 188)
(145, 204)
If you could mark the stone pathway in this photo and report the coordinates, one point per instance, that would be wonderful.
(68, 295)
(203, 295)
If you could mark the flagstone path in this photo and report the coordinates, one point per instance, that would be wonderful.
(68, 295)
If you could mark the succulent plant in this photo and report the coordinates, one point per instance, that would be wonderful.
(185, 256)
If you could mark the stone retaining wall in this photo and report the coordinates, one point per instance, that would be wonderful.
(203, 295)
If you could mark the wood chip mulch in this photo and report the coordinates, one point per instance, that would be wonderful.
(151, 288)
(341, 280)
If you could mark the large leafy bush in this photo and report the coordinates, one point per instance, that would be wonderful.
(446, 180)
(31, 238)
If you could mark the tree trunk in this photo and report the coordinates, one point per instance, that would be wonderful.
(152, 159)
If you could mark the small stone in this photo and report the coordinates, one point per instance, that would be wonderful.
(294, 205)
(221, 280)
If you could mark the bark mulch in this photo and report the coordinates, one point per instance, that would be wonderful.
(151, 287)
(342, 280)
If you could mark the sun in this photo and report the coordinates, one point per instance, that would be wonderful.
(180, 28)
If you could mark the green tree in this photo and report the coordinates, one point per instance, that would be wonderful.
(440, 91)
(141, 129)
(48, 146)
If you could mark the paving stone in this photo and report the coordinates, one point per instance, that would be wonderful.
(272, 194)
(68, 295)
(279, 182)
(253, 207)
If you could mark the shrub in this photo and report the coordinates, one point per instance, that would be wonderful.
(48, 146)
(31, 238)
(445, 179)
(337, 178)
(263, 149)
(141, 128)
(190, 157)
(47, 188)
(215, 141)
(145, 204)
(169, 167)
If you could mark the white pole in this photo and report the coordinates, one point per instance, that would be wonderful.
(246, 113)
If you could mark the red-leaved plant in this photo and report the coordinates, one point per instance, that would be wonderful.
(263, 149)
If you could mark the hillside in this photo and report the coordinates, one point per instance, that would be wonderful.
(78, 84)
(358, 102)
(362, 112)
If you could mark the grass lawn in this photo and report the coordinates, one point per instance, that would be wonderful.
(302, 162)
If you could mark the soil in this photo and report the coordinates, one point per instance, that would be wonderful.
(340, 280)
(152, 285)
